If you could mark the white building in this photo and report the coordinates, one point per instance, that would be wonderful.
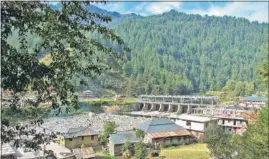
(232, 124)
(9, 152)
(195, 124)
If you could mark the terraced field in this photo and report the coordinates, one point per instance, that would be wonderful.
(196, 151)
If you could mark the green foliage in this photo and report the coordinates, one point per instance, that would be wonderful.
(103, 139)
(234, 89)
(108, 156)
(126, 146)
(26, 113)
(64, 33)
(218, 142)
(73, 54)
(109, 128)
(254, 142)
(110, 101)
(126, 150)
(140, 134)
(176, 53)
(141, 151)
(264, 73)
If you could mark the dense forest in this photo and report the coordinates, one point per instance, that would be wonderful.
(178, 53)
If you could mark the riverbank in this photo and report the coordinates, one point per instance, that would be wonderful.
(95, 121)
(86, 105)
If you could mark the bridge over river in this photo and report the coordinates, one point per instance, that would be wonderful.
(176, 104)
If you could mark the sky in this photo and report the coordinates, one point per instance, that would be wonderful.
(254, 11)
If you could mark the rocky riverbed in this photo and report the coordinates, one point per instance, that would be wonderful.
(95, 121)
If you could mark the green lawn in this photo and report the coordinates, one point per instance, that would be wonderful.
(109, 101)
(104, 155)
(194, 151)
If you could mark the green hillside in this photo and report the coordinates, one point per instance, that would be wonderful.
(177, 53)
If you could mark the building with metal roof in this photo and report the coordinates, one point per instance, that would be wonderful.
(118, 139)
(60, 151)
(9, 152)
(84, 153)
(123, 136)
(158, 125)
(76, 137)
(162, 131)
(80, 131)
(254, 100)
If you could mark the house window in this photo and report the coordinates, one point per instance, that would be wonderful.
(92, 137)
(188, 123)
(82, 137)
(70, 139)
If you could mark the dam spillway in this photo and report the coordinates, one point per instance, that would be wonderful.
(175, 104)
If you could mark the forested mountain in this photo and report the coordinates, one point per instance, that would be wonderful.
(178, 53)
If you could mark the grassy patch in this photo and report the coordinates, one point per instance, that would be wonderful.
(104, 155)
(109, 101)
(109, 92)
(195, 151)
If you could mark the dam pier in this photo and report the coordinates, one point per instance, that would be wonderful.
(176, 104)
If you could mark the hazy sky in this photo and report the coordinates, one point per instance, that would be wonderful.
(251, 10)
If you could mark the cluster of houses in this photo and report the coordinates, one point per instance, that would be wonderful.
(81, 142)
(159, 132)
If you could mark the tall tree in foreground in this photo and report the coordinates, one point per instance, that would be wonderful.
(109, 128)
(218, 142)
(126, 150)
(253, 143)
(141, 151)
(63, 34)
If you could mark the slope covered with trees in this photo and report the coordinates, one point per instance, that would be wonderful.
(177, 53)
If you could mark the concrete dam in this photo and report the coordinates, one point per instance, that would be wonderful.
(175, 104)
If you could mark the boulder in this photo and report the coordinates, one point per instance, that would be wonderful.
(91, 114)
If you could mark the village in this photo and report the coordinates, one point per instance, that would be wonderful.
(134, 80)
(78, 136)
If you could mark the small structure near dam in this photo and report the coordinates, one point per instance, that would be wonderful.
(175, 104)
